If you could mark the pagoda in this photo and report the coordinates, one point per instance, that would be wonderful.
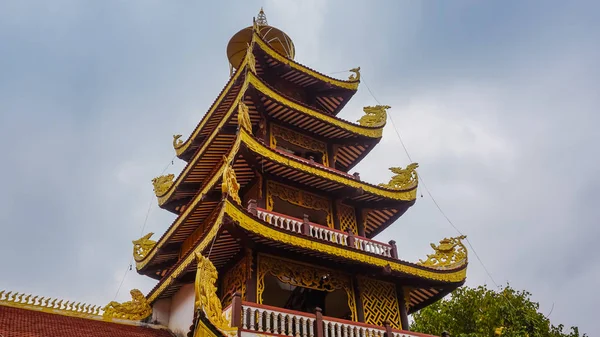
(273, 235)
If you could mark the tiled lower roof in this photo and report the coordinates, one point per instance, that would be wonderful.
(17, 322)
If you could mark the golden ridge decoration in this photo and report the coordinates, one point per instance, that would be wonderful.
(177, 142)
(356, 75)
(142, 246)
(244, 117)
(449, 253)
(380, 302)
(404, 179)
(251, 58)
(47, 304)
(298, 139)
(206, 294)
(162, 184)
(235, 279)
(375, 116)
(261, 19)
(136, 309)
(230, 186)
(303, 275)
(347, 216)
(299, 198)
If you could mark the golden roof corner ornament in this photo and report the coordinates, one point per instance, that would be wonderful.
(449, 253)
(356, 75)
(375, 116)
(229, 185)
(136, 309)
(162, 184)
(177, 142)
(244, 121)
(251, 58)
(403, 178)
(206, 294)
(142, 246)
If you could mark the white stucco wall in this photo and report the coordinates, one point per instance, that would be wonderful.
(161, 311)
(182, 309)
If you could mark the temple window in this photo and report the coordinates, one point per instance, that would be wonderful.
(298, 144)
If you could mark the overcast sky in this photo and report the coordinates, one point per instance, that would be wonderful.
(497, 101)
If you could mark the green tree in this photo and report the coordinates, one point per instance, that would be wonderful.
(482, 312)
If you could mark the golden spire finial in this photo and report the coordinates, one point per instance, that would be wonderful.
(261, 19)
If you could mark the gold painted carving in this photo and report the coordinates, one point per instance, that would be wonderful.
(298, 139)
(404, 178)
(302, 275)
(375, 116)
(162, 184)
(244, 117)
(46, 304)
(300, 198)
(380, 302)
(347, 217)
(230, 185)
(448, 254)
(251, 58)
(356, 75)
(206, 294)
(142, 246)
(407, 291)
(235, 279)
(136, 309)
(177, 142)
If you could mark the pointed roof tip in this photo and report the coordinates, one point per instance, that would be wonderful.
(261, 19)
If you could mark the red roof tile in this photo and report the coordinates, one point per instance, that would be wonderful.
(15, 322)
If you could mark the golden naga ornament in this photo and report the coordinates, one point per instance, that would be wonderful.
(244, 121)
(251, 58)
(230, 185)
(142, 246)
(403, 178)
(136, 309)
(449, 253)
(375, 116)
(356, 75)
(206, 294)
(177, 142)
(162, 184)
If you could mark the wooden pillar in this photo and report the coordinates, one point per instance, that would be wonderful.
(394, 251)
(262, 202)
(318, 322)
(305, 225)
(335, 215)
(360, 221)
(402, 305)
(350, 241)
(360, 313)
(236, 310)
(331, 148)
(251, 288)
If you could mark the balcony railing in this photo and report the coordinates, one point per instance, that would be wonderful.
(257, 318)
(323, 233)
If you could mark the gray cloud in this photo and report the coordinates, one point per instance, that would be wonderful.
(496, 102)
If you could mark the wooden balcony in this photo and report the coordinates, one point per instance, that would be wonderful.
(256, 319)
(324, 233)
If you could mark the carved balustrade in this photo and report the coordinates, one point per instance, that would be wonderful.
(323, 233)
(257, 319)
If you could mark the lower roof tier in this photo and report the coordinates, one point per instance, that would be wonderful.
(233, 229)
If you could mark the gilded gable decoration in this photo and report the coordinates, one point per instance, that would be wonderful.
(244, 121)
(251, 58)
(449, 253)
(142, 246)
(162, 184)
(229, 185)
(136, 309)
(404, 178)
(235, 279)
(375, 116)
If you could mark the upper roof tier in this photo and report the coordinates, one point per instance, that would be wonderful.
(277, 39)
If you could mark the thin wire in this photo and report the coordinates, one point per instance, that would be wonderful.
(142, 231)
(427, 189)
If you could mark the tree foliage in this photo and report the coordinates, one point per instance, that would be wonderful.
(481, 312)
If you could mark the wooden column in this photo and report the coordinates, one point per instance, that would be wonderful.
(236, 310)
(331, 154)
(360, 313)
(251, 281)
(262, 202)
(335, 215)
(402, 305)
(318, 322)
(359, 221)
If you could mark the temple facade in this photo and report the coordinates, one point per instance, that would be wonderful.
(274, 235)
